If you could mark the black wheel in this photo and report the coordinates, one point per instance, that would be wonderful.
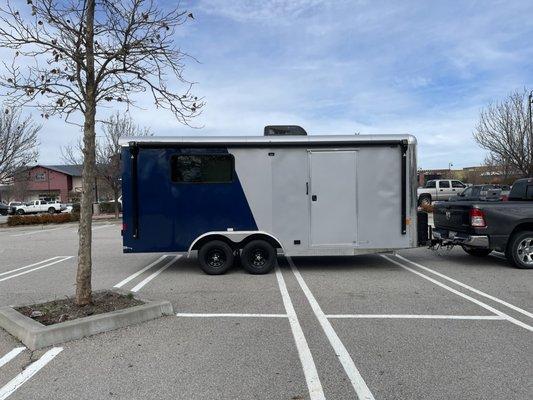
(424, 200)
(520, 250)
(258, 257)
(215, 257)
(51, 210)
(20, 212)
(476, 251)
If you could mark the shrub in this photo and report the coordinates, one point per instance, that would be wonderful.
(14, 220)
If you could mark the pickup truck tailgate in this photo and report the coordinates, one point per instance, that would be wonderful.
(453, 216)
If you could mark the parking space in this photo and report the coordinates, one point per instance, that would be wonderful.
(411, 325)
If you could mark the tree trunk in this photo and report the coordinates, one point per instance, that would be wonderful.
(83, 276)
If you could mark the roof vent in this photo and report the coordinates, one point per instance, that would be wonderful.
(283, 130)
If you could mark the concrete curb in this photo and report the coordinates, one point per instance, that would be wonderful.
(36, 335)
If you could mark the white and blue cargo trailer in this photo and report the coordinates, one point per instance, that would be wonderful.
(255, 196)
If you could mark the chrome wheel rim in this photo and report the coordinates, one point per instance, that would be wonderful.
(524, 251)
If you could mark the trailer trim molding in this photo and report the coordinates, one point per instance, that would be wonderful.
(233, 236)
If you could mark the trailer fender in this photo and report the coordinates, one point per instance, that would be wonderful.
(236, 237)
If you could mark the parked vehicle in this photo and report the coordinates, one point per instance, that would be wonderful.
(66, 208)
(34, 207)
(505, 190)
(4, 209)
(479, 193)
(439, 190)
(249, 197)
(481, 227)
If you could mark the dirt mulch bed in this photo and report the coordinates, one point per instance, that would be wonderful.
(54, 312)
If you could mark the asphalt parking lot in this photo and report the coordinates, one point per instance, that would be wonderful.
(416, 325)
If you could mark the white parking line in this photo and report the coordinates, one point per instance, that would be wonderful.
(35, 269)
(488, 296)
(230, 315)
(409, 316)
(8, 389)
(145, 281)
(136, 274)
(465, 296)
(29, 266)
(95, 228)
(11, 355)
(306, 358)
(358, 383)
(38, 231)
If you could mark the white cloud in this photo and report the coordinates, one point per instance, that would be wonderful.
(418, 67)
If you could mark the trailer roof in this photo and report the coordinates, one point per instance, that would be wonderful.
(267, 140)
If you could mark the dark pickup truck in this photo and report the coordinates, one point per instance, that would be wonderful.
(481, 227)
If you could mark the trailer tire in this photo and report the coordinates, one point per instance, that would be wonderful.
(476, 251)
(520, 250)
(215, 257)
(259, 257)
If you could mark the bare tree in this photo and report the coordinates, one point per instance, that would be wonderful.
(18, 143)
(503, 130)
(83, 53)
(108, 152)
(18, 188)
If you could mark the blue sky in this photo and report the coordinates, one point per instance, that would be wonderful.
(340, 67)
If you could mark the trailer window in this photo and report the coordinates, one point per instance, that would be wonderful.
(204, 168)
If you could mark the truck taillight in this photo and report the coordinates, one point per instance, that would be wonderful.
(477, 218)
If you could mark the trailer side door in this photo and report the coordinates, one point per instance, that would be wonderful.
(333, 198)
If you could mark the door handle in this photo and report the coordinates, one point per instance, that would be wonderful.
(313, 197)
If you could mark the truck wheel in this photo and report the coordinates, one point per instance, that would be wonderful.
(51, 210)
(215, 257)
(20, 212)
(520, 250)
(258, 257)
(476, 251)
(424, 200)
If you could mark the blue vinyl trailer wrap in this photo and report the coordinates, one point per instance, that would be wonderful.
(171, 216)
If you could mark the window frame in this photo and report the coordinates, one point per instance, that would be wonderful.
(446, 183)
(175, 157)
(458, 184)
